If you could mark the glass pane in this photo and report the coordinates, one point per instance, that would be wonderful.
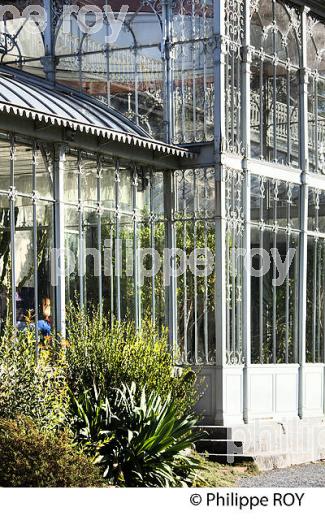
(125, 190)
(92, 267)
(46, 288)
(128, 278)
(316, 210)
(88, 179)
(19, 49)
(107, 186)
(24, 261)
(44, 173)
(262, 310)
(71, 174)
(321, 212)
(5, 181)
(5, 263)
(315, 336)
(275, 82)
(107, 248)
(72, 259)
(23, 168)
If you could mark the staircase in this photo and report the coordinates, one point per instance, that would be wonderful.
(268, 445)
(217, 445)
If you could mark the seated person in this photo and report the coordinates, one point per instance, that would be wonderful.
(26, 319)
(44, 326)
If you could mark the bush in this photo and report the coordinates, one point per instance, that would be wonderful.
(137, 442)
(32, 458)
(109, 355)
(138, 437)
(36, 388)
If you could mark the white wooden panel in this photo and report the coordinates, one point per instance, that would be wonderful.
(273, 391)
(286, 393)
(313, 390)
(234, 394)
(261, 394)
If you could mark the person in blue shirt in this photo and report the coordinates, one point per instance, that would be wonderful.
(44, 325)
(44, 328)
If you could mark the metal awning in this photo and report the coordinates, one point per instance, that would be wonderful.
(31, 98)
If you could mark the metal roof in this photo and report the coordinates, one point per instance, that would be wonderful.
(27, 96)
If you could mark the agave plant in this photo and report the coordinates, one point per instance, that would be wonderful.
(91, 415)
(139, 442)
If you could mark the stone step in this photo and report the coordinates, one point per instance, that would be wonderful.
(276, 460)
(219, 446)
(232, 460)
(215, 432)
(263, 461)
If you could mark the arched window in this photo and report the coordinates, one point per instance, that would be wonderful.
(127, 74)
(21, 40)
(275, 37)
(316, 97)
(234, 32)
(192, 47)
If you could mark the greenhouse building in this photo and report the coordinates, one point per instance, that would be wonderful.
(167, 159)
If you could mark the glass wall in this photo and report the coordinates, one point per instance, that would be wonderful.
(114, 221)
(315, 337)
(234, 32)
(234, 181)
(195, 241)
(276, 43)
(126, 73)
(151, 238)
(27, 234)
(17, 47)
(158, 74)
(114, 235)
(161, 75)
(275, 270)
(192, 87)
(132, 73)
(316, 94)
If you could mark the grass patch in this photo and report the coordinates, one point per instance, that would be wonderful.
(213, 474)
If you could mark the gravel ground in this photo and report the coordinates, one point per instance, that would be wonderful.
(306, 475)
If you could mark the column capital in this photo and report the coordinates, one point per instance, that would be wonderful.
(246, 54)
(305, 9)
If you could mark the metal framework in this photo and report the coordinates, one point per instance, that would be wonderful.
(241, 83)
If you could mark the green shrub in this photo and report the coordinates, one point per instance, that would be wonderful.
(33, 458)
(109, 355)
(139, 442)
(31, 387)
